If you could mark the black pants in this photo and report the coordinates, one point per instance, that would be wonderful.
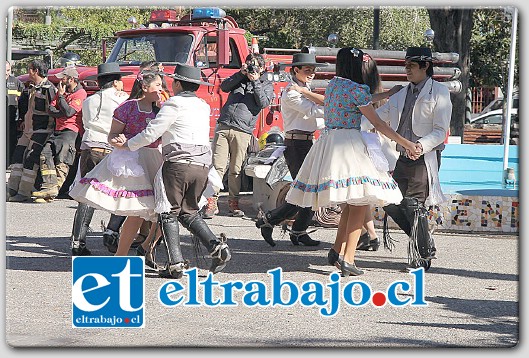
(184, 185)
(412, 178)
(295, 153)
(11, 133)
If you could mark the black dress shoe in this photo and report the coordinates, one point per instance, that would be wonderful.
(366, 244)
(349, 269)
(332, 257)
(81, 251)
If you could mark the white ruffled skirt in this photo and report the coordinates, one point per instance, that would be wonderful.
(123, 183)
(338, 170)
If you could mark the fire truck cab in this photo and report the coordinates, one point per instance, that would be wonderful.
(208, 39)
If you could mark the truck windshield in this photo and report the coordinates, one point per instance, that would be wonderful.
(163, 48)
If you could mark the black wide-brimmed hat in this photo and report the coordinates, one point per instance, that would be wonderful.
(110, 68)
(187, 73)
(305, 59)
(419, 54)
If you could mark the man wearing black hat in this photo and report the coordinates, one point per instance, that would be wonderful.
(302, 115)
(419, 112)
(183, 124)
(98, 110)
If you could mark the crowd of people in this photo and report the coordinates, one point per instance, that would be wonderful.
(146, 157)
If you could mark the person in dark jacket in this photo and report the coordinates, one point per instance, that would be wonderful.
(14, 90)
(249, 92)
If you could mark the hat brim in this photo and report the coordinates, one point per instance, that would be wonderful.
(185, 79)
(95, 77)
(315, 64)
(418, 58)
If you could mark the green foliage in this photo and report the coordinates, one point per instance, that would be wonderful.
(297, 27)
(490, 44)
(81, 27)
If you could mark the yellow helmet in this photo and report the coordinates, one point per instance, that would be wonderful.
(262, 140)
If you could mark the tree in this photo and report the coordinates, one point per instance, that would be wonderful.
(453, 29)
(82, 27)
(491, 42)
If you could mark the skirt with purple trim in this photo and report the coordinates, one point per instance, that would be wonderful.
(338, 170)
(121, 195)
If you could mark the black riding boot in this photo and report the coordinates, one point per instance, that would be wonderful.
(300, 226)
(399, 216)
(111, 233)
(171, 236)
(420, 234)
(274, 217)
(219, 250)
(81, 224)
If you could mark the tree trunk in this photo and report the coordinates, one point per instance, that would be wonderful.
(453, 30)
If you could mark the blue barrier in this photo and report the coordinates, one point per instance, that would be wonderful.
(476, 169)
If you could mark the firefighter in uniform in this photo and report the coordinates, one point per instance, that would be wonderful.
(41, 124)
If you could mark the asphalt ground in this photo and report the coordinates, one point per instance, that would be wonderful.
(471, 290)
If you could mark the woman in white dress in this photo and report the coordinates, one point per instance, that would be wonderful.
(123, 182)
(338, 169)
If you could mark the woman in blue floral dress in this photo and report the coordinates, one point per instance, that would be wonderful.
(338, 169)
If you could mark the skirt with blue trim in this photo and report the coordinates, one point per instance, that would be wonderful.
(338, 170)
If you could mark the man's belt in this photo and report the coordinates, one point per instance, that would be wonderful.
(190, 162)
(299, 136)
(101, 150)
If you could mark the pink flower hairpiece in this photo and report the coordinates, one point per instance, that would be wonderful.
(140, 77)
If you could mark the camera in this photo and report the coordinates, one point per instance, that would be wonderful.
(252, 68)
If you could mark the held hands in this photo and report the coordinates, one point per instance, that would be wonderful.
(413, 150)
(119, 141)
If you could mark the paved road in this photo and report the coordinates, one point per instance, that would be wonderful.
(471, 291)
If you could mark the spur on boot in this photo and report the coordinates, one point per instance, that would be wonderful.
(266, 231)
(349, 269)
(140, 251)
(367, 244)
(220, 257)
(332, 257)
(303, 238)
(175, 271)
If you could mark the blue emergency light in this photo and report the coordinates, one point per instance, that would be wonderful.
(208, 13)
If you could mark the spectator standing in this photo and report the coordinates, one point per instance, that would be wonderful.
(41, 126)
(60, 150)
(249, 92)
(14, 89)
